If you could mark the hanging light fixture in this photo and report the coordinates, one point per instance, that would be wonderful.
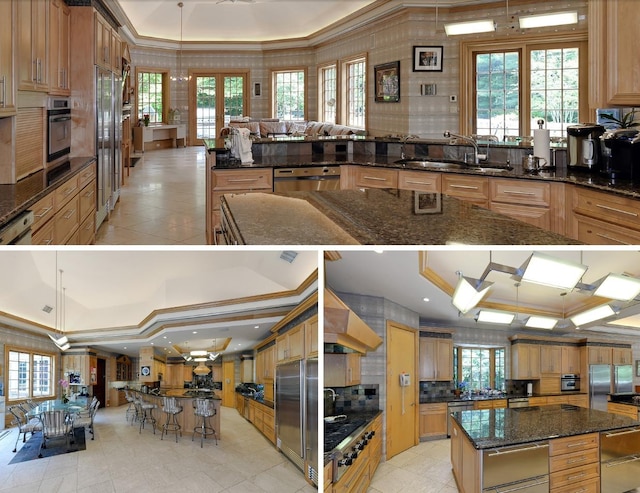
(201, 369)
(181, 77)
(61, 342)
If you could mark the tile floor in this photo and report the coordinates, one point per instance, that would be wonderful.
(162, 201)
(122, 460)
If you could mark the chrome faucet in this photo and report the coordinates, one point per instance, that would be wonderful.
(477, 157)
(333, 393)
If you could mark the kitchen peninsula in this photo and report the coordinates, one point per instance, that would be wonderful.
(544, 448)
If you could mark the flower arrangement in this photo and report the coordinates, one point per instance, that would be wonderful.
(146, 119)
(64, 384)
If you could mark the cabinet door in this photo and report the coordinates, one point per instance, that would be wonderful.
(59, 19)
(444, 360)
(427, 359)
(311, 337)
(469, 188)
(376, 178)
(341, 370)
(296, 342)
(422, 181)
(550, 359)
(433, 420)
(621, 356)
(7, 96)
(599, 355)
(570, 359)
(525, 361)
(32, 55)
(622, 45)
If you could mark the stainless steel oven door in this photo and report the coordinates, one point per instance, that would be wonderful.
(58, 133)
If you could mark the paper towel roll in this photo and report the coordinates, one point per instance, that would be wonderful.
(541, 145)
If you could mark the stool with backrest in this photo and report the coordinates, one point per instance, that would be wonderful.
(131, 409)
(55, 424)
(171, 408)
(204, 410)
(145, 413)
(84, 419)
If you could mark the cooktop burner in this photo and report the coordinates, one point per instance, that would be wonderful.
(334, 433)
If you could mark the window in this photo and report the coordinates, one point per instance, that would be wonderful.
(480, 368)
(356, 93)
(152, 100)
(328, 93)
(513, 84)
(289, 95)
(30, 375)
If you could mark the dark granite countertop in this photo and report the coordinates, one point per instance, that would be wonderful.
(494, 428)
(17, 198)
(261, 400)
(452, 398)
(353, 424)
(373, 217)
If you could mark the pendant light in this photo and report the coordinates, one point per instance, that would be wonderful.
(181, 77)
(62, 342)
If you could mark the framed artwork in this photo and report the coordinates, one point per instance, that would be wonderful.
(387, 82)
(427, 203)
(427, 58)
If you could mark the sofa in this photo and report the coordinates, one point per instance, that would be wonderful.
(273, 127)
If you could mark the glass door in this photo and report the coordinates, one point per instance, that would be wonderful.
(217, 97)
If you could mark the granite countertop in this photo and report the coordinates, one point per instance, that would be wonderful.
(373, 217)
(261, 400)
(452, 398)
(17, 198)
(493, 428)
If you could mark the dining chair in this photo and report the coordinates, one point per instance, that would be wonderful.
(84, 419)
(55, 424)
(24, 424)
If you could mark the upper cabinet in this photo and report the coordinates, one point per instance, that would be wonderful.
(621, 356)
(290, 345)
(59, 22)
(32, 27)
(570, 359)
(550, 358)
(108, 46)
(599, 355)
(613, 51)
(525, 361)
(7, 93)
(311, 337)
(436, 358)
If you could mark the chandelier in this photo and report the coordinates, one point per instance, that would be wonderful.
(181, 77)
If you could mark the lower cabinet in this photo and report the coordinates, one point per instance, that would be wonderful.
(263, 418)
(627, 410)
(433, 420)
(574, 464)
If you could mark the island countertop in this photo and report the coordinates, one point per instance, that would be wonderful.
(495, 428)
(372, 217)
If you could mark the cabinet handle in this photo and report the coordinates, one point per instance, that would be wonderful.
(613, 209)
(44, 212)
(69, 214)
(39, 71)
(411, 182)
(48, 242)
(467, 187)
(577, 444)
(576, 476)
(241, 180)
(89, 194)
(375, 178)
(577, 459)
(34, 71)
(518, 192)
(70, 191)
(607, 237)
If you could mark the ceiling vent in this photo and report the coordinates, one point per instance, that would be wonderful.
(288, 256)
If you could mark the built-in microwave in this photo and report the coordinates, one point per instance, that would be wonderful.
(570, 382)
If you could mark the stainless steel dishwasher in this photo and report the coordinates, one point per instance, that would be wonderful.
(522, 468)
(620, 460)
(306, 179)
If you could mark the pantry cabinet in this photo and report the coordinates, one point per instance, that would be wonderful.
(32, 27)
(7, 93)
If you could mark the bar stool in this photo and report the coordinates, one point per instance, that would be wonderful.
(203, 410)
(171, 409)
(145, 413)
(131, 409)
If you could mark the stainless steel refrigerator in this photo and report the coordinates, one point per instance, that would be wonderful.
(623, 378)
(310, 436)
(600, 380)
(290, 410)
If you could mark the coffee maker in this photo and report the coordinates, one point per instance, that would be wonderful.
(623, 147)
(584, 148)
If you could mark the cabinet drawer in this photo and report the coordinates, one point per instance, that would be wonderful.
(421, 181)
(465, 187)
(520, 192)
(43, 210)
(65, 192)
(589, 486)
(88, 230)
(67, 221)
(609, 208)
(575, 475)
(88, 200)
(376, 178)
(86, 175)
(575, 459)
(536, 216)
(573, 444)
(594, 232)
(44, 235)
(243, 180)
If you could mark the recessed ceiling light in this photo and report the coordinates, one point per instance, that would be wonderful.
(164, 337)
(426, 300)
(195, 331)
(125, 347)
(152, 343)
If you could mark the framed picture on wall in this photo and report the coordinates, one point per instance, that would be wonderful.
(387, 82)
(427, 58)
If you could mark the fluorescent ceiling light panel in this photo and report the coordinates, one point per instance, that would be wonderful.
(200, 359)
(550, 271)
(631, 321)
(200, 352)
(548, 20)
(535, 322)
(471, 27)
(618, 287)
(494, 317)
(467, 295)
(64, 347)
(592, 315)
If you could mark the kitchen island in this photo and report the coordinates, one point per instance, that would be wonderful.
(549, 448)
(371, 217)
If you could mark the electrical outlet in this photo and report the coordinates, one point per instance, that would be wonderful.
(453, 98)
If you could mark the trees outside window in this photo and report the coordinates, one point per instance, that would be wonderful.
(289, 95)
(479, 368)
(151, 95)
(30, 375)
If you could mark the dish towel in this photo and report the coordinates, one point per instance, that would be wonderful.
(242, 145)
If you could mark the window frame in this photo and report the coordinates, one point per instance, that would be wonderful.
(32, 353)
(344, 89)
(274, 90)
(166, 90)
(525, 44)
(492, 356)
(321, 91)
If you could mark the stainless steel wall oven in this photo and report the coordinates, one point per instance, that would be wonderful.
(58, 128)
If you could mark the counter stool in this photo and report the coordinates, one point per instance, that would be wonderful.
(145, 413)
(131, 410)
(171, 409)
(203, 410)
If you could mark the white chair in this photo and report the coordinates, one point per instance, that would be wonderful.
(171, 408)
(144, 412)
(204, 410)
(24, 424)
(84, 419)
(55, 424)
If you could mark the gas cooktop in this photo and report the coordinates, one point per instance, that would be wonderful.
(337, 432)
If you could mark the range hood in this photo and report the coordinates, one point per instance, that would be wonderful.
(342, 326)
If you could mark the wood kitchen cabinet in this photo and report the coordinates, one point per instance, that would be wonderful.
(352, 177)
(341, 369)
(436, 359)
(570, 359)
(472, 189)
(550, 359)
(628, 410)
(32, 27)
(59, 25)
(7, 93)
(599, 355)
(311, 337)
(433, 420)
(525, 361)
(246, 370)
(420, 181)
(290, 345)
(621, 356)
(526, 200)
(265, 364)
(613, 79)
(574, 464)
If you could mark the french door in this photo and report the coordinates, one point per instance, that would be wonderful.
(214, 98)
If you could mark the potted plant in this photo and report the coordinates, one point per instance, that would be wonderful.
(146, 119)
(626, 121)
